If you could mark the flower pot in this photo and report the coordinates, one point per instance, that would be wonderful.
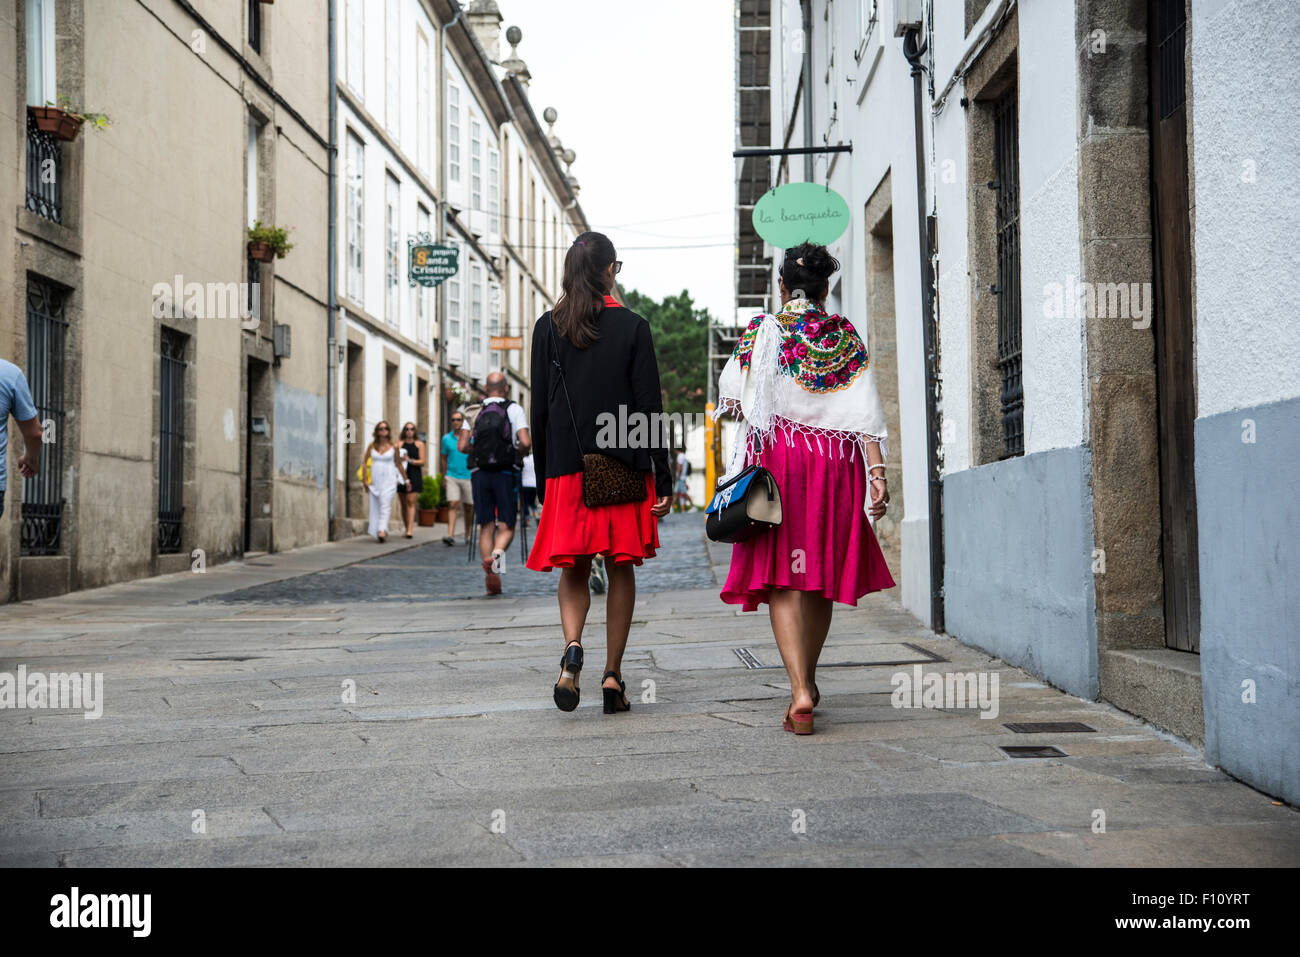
(51, 119)
(428, 516)
(443, 512)
(262, 252)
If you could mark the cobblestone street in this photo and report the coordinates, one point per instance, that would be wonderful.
(226, 693)
(437, 572)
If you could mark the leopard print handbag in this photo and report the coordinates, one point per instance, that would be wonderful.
(605, 480)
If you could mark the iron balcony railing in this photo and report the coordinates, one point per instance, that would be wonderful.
(44, 172)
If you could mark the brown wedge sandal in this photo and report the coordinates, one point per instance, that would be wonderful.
(800, 722)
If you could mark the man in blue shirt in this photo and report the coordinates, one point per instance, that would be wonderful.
(16, 400)
(455, 479)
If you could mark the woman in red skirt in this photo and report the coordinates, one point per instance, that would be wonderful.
(594, 372)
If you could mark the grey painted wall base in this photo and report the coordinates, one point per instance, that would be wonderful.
(1248, 517)
(913, 574)
(1018, 564)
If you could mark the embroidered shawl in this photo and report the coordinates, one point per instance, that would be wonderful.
(810, 370)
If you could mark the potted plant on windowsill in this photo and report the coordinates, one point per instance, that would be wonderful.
(457, 393)
(63, 121)
(268, 242)
(428, 500)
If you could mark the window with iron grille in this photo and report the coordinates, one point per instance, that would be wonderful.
(171, 442)
(1006, 160)
(254, 284)
(44, 172)
(255, 24)
(47, 332)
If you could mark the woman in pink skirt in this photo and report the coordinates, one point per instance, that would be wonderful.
(802, 386)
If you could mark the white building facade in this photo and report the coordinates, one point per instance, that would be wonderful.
(426, 113)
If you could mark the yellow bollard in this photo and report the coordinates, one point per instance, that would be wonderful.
(710, 451)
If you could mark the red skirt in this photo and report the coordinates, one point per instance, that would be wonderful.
(624, 534)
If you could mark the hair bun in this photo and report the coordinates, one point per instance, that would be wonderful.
(808, 261)
(818, 261)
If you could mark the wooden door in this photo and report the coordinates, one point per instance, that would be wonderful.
(1173, 320)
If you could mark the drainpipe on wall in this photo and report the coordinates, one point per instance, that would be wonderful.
(331, 358)
(914, 49)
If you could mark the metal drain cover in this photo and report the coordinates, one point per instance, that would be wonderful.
(1048, 727)
(891, 654)
(1039, 751)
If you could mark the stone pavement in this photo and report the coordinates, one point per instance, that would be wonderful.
(225, 693)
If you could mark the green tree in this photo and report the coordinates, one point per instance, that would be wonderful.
(681, 336)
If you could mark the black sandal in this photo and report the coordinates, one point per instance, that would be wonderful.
(566, 689)
(615, 701)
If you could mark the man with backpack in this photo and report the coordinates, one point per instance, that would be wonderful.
(498, 439)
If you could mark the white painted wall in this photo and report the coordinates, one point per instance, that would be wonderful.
(1053, 349)
(1245, 62)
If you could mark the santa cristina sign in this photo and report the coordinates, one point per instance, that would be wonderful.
(430, 263)
(801, 213)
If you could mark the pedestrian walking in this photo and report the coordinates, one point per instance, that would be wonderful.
(681, 492)
(528, 486)
(496, 442)
(592, 356)
(413, 460)
(455, 479)
(801, 384)
(16, 400)
(382, 475)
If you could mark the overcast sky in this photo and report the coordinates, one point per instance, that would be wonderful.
(645, 94)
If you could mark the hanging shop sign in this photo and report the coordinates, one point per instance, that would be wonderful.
(501, 343)
(801, 213)
(430, 263)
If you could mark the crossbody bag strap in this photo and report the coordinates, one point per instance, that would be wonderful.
(555, 360)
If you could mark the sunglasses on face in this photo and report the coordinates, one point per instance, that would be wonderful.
(618, 266)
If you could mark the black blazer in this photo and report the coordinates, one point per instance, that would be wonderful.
(617, 370)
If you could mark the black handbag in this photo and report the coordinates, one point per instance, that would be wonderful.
(605, 480)
(742, 508)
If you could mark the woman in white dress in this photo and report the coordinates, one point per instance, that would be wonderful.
(386, 474)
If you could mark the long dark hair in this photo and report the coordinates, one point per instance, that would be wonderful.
(584, 288)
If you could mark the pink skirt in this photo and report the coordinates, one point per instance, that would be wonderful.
(824, 542)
